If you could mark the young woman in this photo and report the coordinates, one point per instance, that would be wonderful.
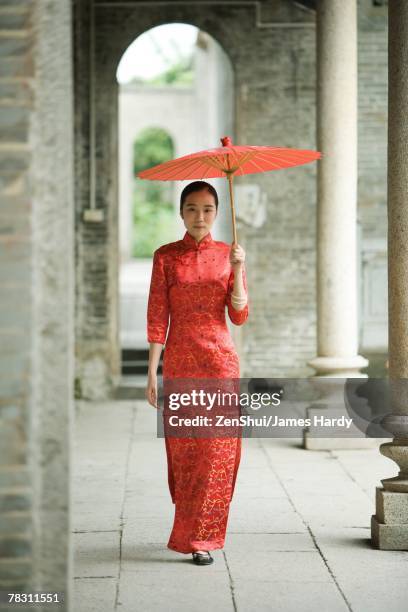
(193, 280)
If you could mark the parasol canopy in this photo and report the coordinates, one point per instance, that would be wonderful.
(229, 160)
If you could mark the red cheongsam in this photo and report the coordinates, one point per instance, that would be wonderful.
(192, 284)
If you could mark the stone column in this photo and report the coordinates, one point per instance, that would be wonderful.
(37, 298)
(389, 526)
(336, 55)
(51, 207)
(336, 115)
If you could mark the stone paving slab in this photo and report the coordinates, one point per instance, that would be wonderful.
(318, 510)
(366, 469)
(260, 514)
(94, 594)
(371, 579)
(293, 597)
(278, 566)
(100, 493)
(171, 591)
(96, 554)
(298, 533)
(286, 542)
(322, 495)
(104, 519)
(263, 488)
(154, 506)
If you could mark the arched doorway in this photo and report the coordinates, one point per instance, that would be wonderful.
(177, 100)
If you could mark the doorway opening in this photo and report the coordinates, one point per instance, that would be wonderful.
(176, 92)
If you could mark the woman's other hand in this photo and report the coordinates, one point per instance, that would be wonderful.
(154, 358)
(151, 390)
(237, 256)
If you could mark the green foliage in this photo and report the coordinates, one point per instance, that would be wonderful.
(152, 227)
(181, 73)
(153, 146)
(153, 211)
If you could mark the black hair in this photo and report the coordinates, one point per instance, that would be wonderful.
(198, 186)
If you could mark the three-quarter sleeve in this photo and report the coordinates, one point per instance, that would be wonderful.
(238, 317)
(158, 303)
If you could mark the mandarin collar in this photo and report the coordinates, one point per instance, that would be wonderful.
(190, 241)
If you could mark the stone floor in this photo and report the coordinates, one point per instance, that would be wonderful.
(298, 534)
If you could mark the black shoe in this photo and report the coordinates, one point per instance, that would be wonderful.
(202, 558)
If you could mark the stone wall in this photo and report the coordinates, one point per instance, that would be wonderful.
(36, 276)
(16, 100)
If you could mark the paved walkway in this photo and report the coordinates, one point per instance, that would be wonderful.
(298, 534)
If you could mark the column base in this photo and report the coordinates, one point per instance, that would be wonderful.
(339, 367)
(388, 537)
(334, 368)
(389, 526)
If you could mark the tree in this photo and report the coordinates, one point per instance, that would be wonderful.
(153, 211)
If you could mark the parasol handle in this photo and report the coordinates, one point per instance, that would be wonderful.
(231, 191)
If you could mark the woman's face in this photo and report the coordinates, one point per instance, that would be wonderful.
(198, 213)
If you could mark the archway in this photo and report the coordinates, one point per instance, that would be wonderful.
(177, 100)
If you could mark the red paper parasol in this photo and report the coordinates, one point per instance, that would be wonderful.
(229, 160)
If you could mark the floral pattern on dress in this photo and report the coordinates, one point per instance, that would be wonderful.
(190, 292)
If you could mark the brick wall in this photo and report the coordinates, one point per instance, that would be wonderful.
(16, 106)
(372, 126)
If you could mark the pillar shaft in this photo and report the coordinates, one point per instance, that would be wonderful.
(389, 526)
(398, 190)
(337, 333)
(336, 271)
